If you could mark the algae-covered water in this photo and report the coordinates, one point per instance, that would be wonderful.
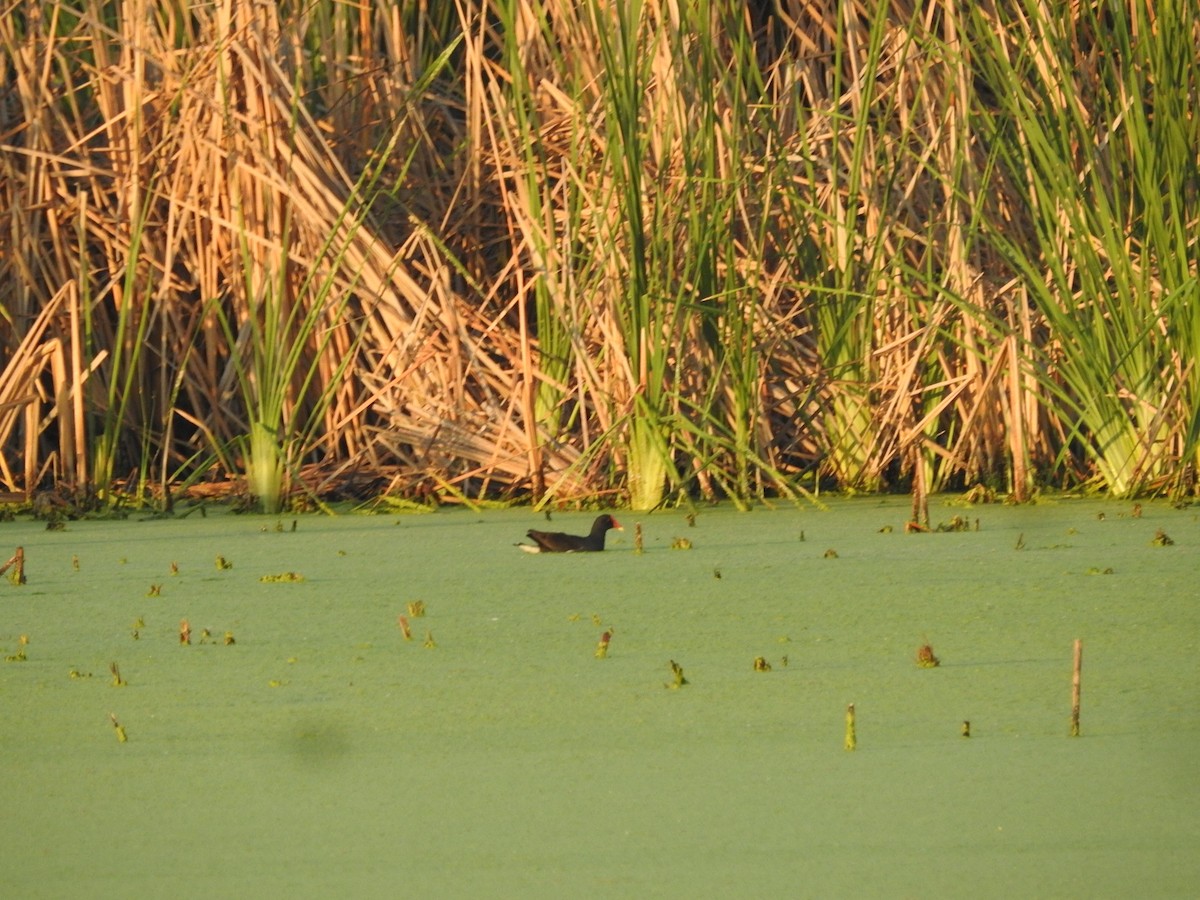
(323, 753)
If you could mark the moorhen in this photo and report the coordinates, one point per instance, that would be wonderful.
(558, 542)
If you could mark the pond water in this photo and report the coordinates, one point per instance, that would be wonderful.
(321, 751)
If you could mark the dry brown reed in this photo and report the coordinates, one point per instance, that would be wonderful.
(410, 244)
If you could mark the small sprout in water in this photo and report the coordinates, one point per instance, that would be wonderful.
(75, 561)
(602, 646)
(831, 554)
(1100, 517)
(886, 529)
(717, 573)
(1096, 570)
(416, 609)
(783, 661)
(155, 591)
(117, 680)
(678, 680)
(223, 563)
(638, 540)
(691, 519)
(1161, 539)
(851, 735)
(1020, 542)
(761, 664)
(76, 674)
(185, 632)
(926, 658)
(681, 543)
(596, 620)
(229, 641)
(430, 643)
(205, 634)
(966, 728)
(802, 536)
(404, 627)
(174, 568)
(120, 729)
(276, 682)
(1137, 511)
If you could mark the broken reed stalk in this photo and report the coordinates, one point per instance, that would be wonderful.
(1075, 686)
(17, 562)
(920, 494)
(602, 646)
(851, 736)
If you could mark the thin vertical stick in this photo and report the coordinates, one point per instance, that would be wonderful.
(1075, 683)
(851, 737)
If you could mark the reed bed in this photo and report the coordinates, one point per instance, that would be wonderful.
(619, 252)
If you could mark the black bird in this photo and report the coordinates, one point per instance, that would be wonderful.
(558, 542)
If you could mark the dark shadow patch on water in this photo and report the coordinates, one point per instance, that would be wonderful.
(318, 743)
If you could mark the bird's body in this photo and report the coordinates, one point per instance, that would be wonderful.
(561, 542)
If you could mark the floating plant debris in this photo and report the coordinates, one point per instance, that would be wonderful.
(926, 658)
(282, 578)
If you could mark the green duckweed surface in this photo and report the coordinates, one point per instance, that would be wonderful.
(322, 753)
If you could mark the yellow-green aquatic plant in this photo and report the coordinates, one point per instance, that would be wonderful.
(677, 678)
